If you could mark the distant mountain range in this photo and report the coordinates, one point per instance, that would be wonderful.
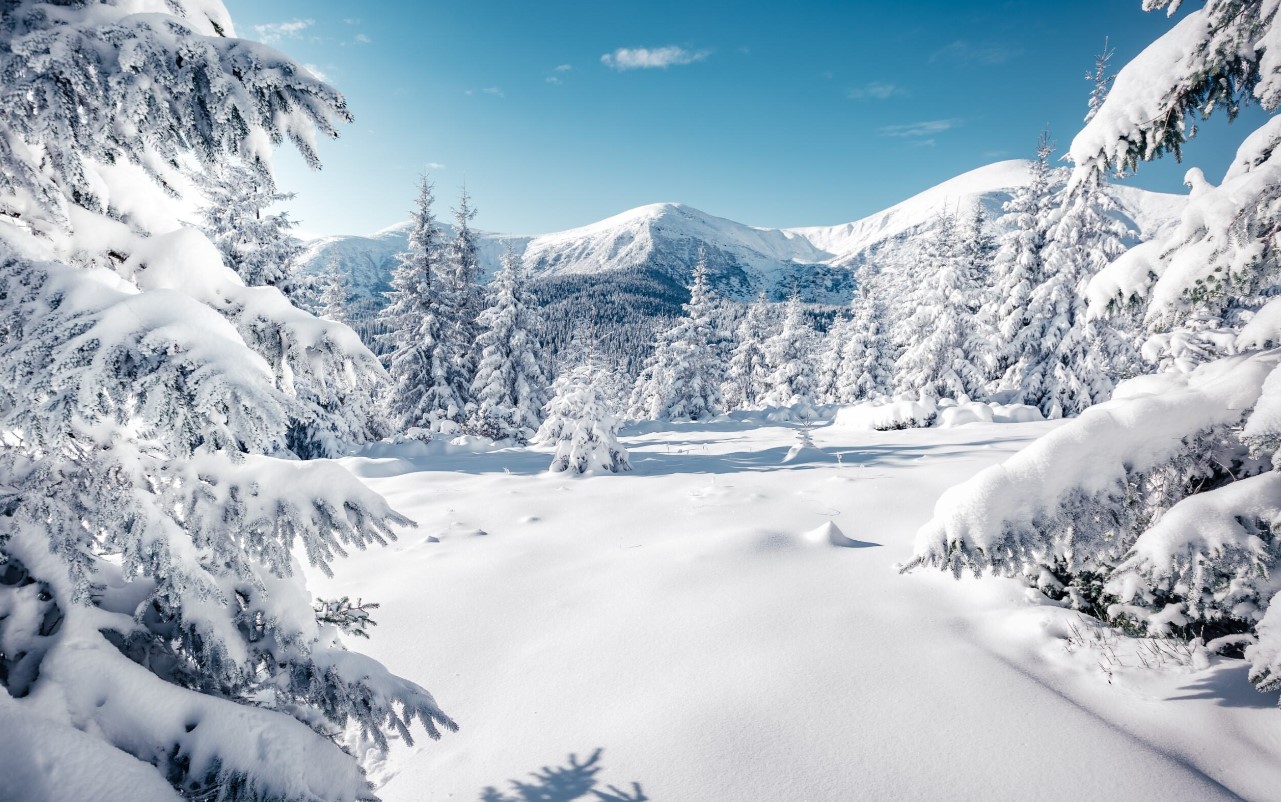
(658, 244)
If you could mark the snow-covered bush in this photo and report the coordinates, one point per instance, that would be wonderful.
(581, 427)
(919, 413)
(1157, 508)
(151, 614)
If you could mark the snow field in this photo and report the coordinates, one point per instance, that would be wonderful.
(694, 620)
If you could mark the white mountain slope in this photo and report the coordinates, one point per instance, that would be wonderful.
(665, 238)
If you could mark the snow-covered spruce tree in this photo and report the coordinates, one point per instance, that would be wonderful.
(831, 360)
(1070, 359)
(580, 425)
(683, 378)
(420, 355)
(1018, 267)
(789, 358)
(466, 299)
(152, 612)
(745, 379)
(945, 356)
(335, 294)
(1158, 508)
(510, 387)
(259, 246)
(867, 363)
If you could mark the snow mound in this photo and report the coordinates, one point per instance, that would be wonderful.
(831, 534)
(906, 413)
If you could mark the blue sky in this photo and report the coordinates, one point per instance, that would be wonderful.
(556, 114)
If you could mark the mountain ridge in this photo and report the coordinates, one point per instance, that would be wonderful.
(665, 239)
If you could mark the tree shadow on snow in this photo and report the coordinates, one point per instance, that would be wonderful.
(1229, 686)
(574, 781)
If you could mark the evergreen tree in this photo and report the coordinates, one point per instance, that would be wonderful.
(683, 378)
(831, 365)
(1019, 268)
(789, 358)
(1072, 366)
(946, 357)
(581, 426)
(510, 387)
(334, 295)
(467, 299)
(1159, 509)
(867, 362)
(258, 246)
(154, 524)
(420, 355)
(745, 382)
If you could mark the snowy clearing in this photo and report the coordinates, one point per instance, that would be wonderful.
(694, 621)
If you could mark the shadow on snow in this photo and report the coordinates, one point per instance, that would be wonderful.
(574, 781)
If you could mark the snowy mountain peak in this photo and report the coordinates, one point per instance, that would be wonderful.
(664, 239)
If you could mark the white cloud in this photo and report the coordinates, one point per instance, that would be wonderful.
(925, 128)
(493, 90)
(563, 68)
(983, 53)
(362, 39)
(646, 58)
(876, 90)
(432, 166)
(552, 79)
(274, 32)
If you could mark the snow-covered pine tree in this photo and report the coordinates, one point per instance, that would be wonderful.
(335, 294)
(147, 568)
(1159, 508)
(580, 425)
(791, 380)
(867, 362)
(1072, 364)
(467, 293)
(511, 385)
(944, 358)
(832, 360)
(978, 251)
(420, 355)
(1018, 267)
(745, 380)
(683, 378)
(257, 245)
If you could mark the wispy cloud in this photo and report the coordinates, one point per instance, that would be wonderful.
(876, 90)
(273, 32)
(362, 39)
(986, 53)
(433, 166)
(494, 90)
(648, 58)
(552, 79)
(563, 67)
(921, 130)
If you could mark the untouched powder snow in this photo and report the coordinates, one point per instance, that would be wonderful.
(720, 625)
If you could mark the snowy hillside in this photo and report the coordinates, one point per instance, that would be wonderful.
(664, 238)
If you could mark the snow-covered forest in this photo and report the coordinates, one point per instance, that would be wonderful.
(646, 504)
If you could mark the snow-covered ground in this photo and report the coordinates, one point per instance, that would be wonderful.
(694, 621)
